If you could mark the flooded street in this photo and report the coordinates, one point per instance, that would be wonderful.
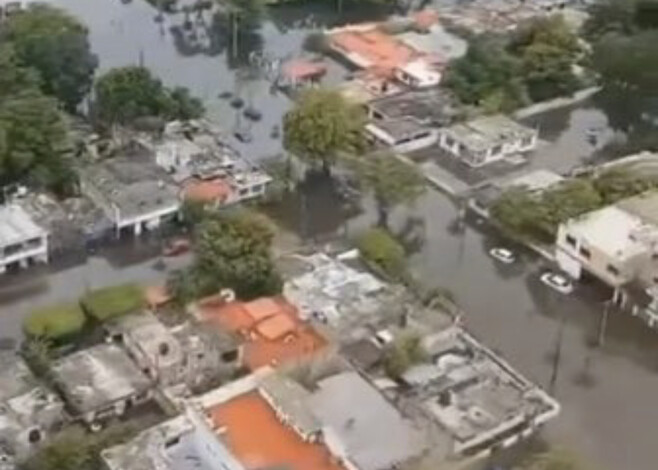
(607, 393)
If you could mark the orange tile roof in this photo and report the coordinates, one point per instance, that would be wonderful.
(258, 439)
(380, 49)
(301, 69)
(262, 308)
(270, 326)
(276, 327)
(207, 191)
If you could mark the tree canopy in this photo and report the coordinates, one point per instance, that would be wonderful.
(536, 216)
(321, 126)
(232, 251)
(56, 45)
(503, 73)
(392, 181)
(33, 132)
(126, 94)
(379, 248)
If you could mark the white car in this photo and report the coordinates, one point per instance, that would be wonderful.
(503, 255)
(558, 282)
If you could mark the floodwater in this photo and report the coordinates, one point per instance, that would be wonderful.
(607, 393)
(199, 58)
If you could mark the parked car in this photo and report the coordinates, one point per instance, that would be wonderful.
(176, 247)
(503, 255)
(557, 281)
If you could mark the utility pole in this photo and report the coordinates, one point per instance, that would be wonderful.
(557, 356)
(603, 324)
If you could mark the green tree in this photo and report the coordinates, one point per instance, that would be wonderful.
(379, 248)
(232, 251)
(14, 78)
(32, 135)
(548, 48)
(56, 45)
(611, 16)
(126, 94)
(67, 451)
(617, 184)
(392, 182)
(487, 75)
(321, 126)
(404, 353)
(628, 62)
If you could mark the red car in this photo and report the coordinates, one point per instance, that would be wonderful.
(176, 247)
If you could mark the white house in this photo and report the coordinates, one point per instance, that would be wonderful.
(22, 241)
(618, 244)
(402, 135)
(418, 73)
(487, 139)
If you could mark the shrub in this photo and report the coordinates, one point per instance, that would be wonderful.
(383, 251)
(56, 322)
(110, 302)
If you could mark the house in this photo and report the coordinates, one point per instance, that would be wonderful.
(409, 121)
(618, 244)
(431, 107)
(299, 72)
(184, 442)
(134, 193)
(487, 139)
(337, 293)
(402, 135)
(270, 327)
(342, 423)
(197, 157)
(184, 354)
(22, 240)
(368, 47)
(479, 402)
(28, 410)
(100, 383)
(360, 427)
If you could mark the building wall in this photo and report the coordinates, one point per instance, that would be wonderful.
(492, 154)
(29, 250)
(597, 261)
(211, 450)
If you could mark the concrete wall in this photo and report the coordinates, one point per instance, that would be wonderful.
(598, 261)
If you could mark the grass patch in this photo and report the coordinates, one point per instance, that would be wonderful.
(110, 302)
(56, 322)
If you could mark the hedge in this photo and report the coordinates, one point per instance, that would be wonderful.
(110, 302)
(55, 322)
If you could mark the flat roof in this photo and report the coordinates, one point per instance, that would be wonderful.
(150, 338)
(134, 183)
(396, 128)
(271, 328)
(15, 377)
(17, 226)
(474, 394)
(252, 431)
(371, 431)
(97, 377)
(608, 229)
(484, 132)
(431, 106)
(644, 206)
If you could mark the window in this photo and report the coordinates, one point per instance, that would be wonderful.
(570, 240)
(612, 270)
(585, 253)
(230, 356)
(172, 442)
